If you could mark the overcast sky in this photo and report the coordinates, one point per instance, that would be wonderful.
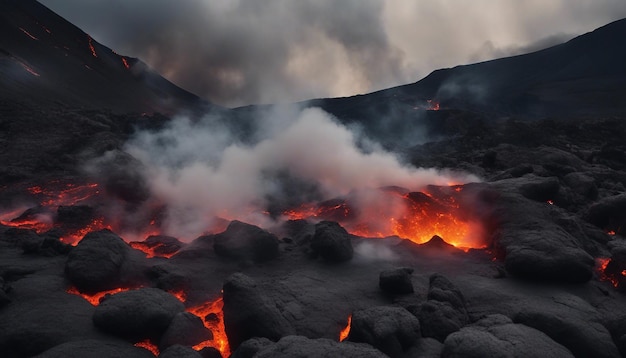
(236, 52)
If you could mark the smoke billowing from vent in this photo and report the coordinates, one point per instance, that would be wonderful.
(201, 171)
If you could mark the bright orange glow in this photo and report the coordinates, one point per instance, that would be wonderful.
(346, 331)
(125, 63)
(179, 294)
(147, 344)
(213, 318)
(95, 298)
(415, 216)
(601, 265)
(150, 251)
(74, 237)
(611, 232)
(93, 49)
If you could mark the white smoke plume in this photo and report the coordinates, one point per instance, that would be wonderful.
(202, 172)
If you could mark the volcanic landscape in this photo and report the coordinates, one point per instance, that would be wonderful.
(479, 212)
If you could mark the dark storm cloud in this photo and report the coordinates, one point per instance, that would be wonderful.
(251, 51)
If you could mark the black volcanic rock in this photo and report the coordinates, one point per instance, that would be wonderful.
(250, 347)
(185, 329)
(137, 314)
(95, 263)
(243, 241)
(299, 346)
(91, 348)
(445, 310)
(332, 242)
(396, 281)
(179, 351)
(609, 213)
(498, 336)
(392, 330)
(249, 313)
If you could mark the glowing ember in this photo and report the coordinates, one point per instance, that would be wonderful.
(213, 318)
(29, 70)
(125, 63)
(433, 105)
(28, 34)
(179, 294)
(147, 344)
(551, 202)
(346, 331)
(607, 274)
(95, 298)
(415, 216)
(611, 232)
(93, 49)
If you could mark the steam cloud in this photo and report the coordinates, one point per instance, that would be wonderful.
(269, 51)
(202, 171)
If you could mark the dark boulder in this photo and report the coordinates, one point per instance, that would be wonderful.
(179, 351)
(95, 263)
(396, 281)
(137, 314)
(251, 347)
(249, 313)
(185, 329)
(298, 346)
(609, 213)
(332, 242)
(92, 348)
(445, 310)
(498, 336)
(243, 241)
(392, 330)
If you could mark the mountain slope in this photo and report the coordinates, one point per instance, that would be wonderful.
(47, 61)
(584, 76)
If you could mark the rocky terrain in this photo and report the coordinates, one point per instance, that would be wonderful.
(543, 274)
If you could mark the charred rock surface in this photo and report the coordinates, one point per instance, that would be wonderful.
(445, 310)
(298, 346)
(95, 349)
(396, 281)
(331, 242)
(137, 314)
(186, 329)
(243, 241)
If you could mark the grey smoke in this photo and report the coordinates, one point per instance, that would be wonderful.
(254, 51)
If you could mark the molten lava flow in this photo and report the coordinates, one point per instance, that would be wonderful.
(28, 34)
(611, 275)
(93, 49)
(346, 331)
(213, 318)
(125, 63)
(74, 236)
(179, 294)
(95, 298)
(147, 344)
(415, 216)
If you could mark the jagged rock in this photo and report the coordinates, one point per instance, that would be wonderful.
(540, 189)
(160, 244)
(137, 314)
(252, 346)
(75, 216)
(609, 213)
(498, 336)
(95, 263)
(92, 348)
(396, 281)
(331, 242)
(243, 241)
(582, 184)
(185, 329)
(582, 336)
(179, 351)
(298, 346)
(445, 311)
(249, 313)
(392, 330)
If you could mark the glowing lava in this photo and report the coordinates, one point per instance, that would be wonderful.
(346, 331)
(147, 344)
(125, 63)
(213, 318)
(28, 34)
(416, 216)
(433, 105)
(93, 49)
(608, 273)
(95, 298)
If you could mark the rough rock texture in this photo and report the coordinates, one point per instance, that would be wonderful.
(137, 314)
(243, 241)
(249, 313)
(572, 325)
(95, 349)
(185, 329)
(298, 346)
(252, 346)
(609, 213)
(392, 330)
(179, 351)
(331, 242)
(396, 281)
(533, 244)
(498, 336)
(95, 263)
(445, 311)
